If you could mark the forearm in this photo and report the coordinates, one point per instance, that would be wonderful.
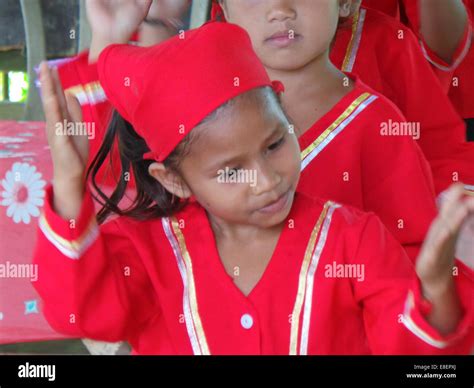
(442, 25)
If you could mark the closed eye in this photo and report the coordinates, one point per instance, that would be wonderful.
(277, 144)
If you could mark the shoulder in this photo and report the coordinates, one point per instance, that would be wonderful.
(344, 215)
(378, 21)
(136, 229)
(374, 105)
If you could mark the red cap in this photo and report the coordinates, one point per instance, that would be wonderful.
(166, 90)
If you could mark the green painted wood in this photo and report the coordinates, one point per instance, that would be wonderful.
(35, 53)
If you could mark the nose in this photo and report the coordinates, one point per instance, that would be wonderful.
(281, 11)
(267, 179)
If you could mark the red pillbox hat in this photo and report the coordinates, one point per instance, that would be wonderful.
(166, 90)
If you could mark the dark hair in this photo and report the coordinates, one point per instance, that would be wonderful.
(151, 199)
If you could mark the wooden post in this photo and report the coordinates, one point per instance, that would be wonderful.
(36, 52)
(85, 34)
(5, 85)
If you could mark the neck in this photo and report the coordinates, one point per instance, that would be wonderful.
(242, 233)
(317, 84)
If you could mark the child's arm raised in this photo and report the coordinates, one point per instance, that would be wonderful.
(114, 21)
(69, 152)
(92, 281)
(435, 262)
(442, 25)
(431, 313)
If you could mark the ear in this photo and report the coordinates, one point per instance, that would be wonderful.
(169, 180)
(345, 7)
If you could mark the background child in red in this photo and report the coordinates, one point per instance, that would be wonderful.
(372, 47)
(445, 33)
(159, 274)
(346, 155)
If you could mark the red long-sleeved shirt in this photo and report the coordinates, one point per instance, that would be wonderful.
(337, 283)
(362, 153)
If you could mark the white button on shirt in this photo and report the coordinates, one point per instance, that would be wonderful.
(246, 321)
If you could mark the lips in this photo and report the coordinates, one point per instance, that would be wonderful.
(283, 38)
(277, 205)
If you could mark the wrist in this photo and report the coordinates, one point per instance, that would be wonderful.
(439, 290)
(99, 43)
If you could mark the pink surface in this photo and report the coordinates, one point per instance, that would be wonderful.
(25, 169)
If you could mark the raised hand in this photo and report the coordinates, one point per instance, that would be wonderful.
(68, 142)
(114, 21)
(436, 260)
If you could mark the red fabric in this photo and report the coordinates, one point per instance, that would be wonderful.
(412, 86)
(457, 67)
(25, 169)
(389, 7)
(167, 89)
(461, 67)
(125, 283)
(376, 171)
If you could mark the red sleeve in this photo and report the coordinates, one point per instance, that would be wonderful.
(397, 181)
(413, 87)
(443, 70)
(81, 79)
(91, 279)
(393, 306)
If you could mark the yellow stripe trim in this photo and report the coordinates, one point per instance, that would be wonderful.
(355, 104)
(192, 288)
(74, 245)
(295, 321)
(350, 47)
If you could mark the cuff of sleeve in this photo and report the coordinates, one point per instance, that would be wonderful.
(416, 309)
(81, 79)
(71, 237)
(459, 54)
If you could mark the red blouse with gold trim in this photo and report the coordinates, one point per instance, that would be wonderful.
(362, 153)
(337, 283)
(387, 57)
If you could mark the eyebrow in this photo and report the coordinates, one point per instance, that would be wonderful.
(227, 162)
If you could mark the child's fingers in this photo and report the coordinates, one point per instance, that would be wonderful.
(60, 94)
(51, 107)
(74, 108)
(452, 197)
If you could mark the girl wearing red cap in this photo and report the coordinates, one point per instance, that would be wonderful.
(203, 264)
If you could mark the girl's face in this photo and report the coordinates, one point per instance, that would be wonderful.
(244, 165)
(288, 34)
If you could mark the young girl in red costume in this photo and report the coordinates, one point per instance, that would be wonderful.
(242, 268)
